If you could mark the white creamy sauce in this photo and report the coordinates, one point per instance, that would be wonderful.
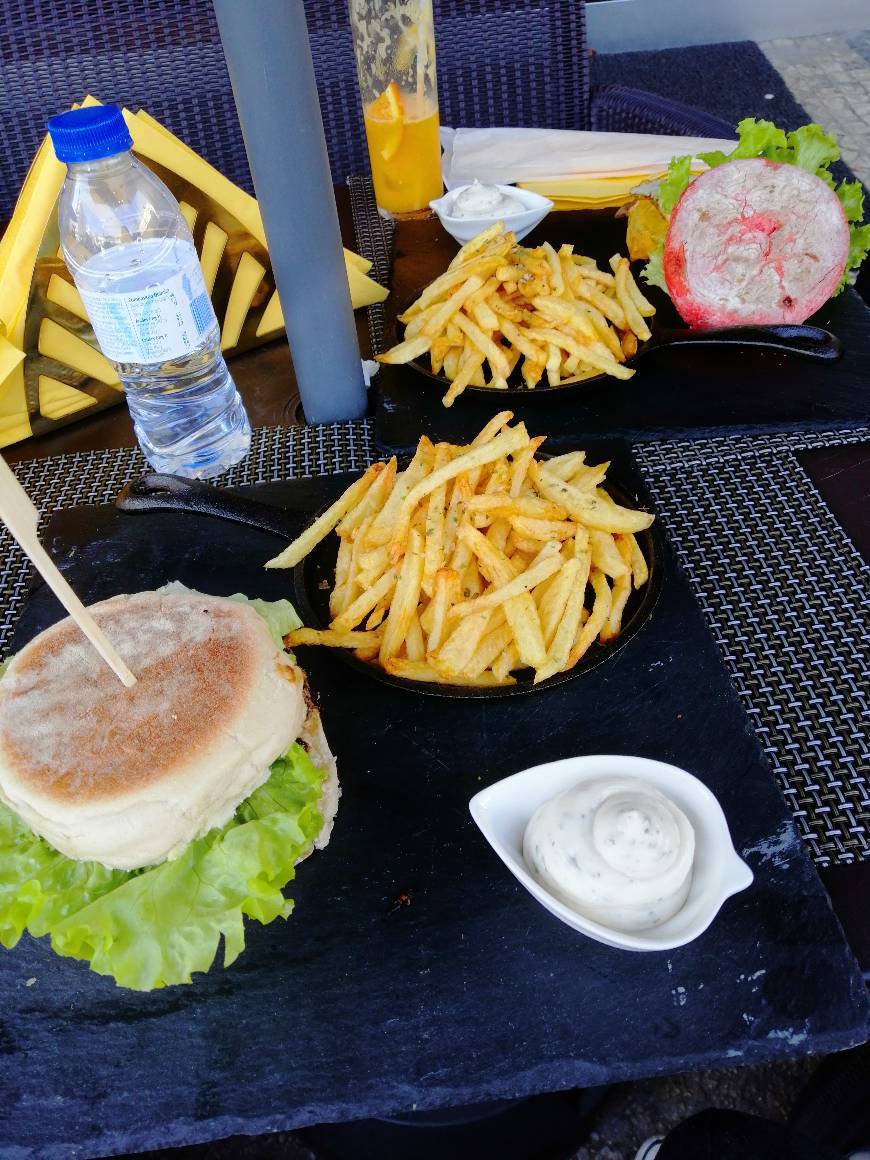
(615, 850)
(478, 200)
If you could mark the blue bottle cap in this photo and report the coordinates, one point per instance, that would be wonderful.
(89, 134)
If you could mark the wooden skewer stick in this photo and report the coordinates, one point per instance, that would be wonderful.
(20, 517)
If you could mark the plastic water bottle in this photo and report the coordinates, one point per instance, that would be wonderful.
(133, 260)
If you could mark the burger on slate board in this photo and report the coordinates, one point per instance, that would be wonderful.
(139, 826)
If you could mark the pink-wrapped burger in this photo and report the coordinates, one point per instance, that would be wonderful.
(754, 241)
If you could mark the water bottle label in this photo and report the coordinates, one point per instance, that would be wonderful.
(155, 324)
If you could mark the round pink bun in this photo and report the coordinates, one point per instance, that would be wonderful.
(757, 242)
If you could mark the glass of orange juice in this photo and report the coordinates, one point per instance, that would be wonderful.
(394, 41)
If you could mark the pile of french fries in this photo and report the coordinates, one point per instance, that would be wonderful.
(475, 562)
(501, 306)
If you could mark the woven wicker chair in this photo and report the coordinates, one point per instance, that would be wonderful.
(500, 62)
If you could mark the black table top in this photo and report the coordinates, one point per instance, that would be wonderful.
(354, 1008)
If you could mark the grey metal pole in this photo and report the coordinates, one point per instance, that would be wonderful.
(272, 74)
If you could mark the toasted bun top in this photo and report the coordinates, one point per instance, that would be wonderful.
(129, 776)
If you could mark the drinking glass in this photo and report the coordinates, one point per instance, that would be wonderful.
(394, 42)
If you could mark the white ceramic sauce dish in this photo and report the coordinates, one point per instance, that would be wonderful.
(503, 810)
(463, 229)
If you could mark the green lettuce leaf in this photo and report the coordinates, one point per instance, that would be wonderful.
(653, 272)
(280, 615)
(154, 927)
(672, 187)
(810, 147)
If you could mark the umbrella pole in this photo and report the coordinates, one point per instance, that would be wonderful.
(269, 60)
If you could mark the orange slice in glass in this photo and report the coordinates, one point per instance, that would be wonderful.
(388, 107)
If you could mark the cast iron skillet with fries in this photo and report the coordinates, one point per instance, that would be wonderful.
(476, 571)
(472, 567)
(525, 320)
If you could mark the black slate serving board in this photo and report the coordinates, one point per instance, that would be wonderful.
(691, 392)
(358, 1006)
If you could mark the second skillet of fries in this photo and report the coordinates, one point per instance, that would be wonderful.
(476, 562)
(501, 306)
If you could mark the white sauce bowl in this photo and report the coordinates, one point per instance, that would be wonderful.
(463, 229)
(502, 811)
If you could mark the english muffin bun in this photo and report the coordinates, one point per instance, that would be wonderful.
(129, 777)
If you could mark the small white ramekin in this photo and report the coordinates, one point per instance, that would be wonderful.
(463, 229)
(503, 810)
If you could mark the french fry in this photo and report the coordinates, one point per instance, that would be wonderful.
(552, 605)
(506, 662)
(643, 306)
(447, 311)
(477, 243)
(480, 267)
(471, 364)
(342, 570)
(632, 315)
(498, 533)
(618, 599)
(543, 530)
(372, 564)
(524, 582)
(597, 618)
(420, 671)
(564, 466)
(446, 590)
(586, 508)
(435, 511)
(376, 616)
(589, 477)
(517, 336)
(493, 563)
(520, 465)
(493, 353)
(299, 548)
(639, 569)
(415, 649)
(555, 269)
(372, 501)
(491, 645)
(351, 616)
(565, 635)
(496, 424)
(328, 636)
(407, 351)
(522, 616)
(405, 598)
(611, 308)
(458, 649)
(529, 312)
(531, 506)
(352, 584)
(532, 372)
(605, 554)
(380, 530)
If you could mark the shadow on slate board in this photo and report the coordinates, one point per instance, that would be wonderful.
(473, 992)
(691, 392)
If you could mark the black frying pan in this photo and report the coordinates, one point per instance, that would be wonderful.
(313, 577)
(805, 341)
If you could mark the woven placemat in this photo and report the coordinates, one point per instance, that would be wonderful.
(785, 593)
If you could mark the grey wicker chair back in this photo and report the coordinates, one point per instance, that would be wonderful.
(518, 62)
